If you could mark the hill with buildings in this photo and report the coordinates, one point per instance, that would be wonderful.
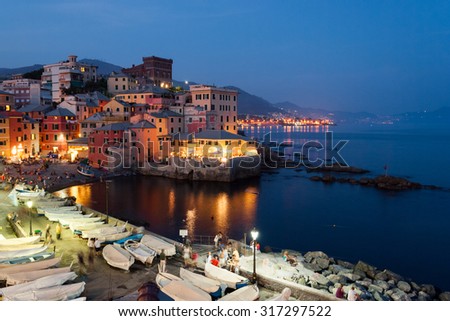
(104, 68)
(6, 73)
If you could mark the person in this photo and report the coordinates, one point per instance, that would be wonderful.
(222, 260)
(162, 261)
(186, 255)
(49, 239)
(340, 292)
(58, 231)
(234, 266)
(217, 240)
(291, 259)
(98, 246)
(214, 260)
(81, 263)
(208, 258)
(91, 246)
(352, 295)
(47, 231)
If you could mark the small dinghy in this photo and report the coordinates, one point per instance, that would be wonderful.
(140, 251)
(180, 290)
(232, 280)
(117, 257)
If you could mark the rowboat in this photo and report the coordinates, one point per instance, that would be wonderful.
(232, 280)
(117, 257)
(26, 259)
(140, 251)
(59, 209)
(27, 267)
(180, 290)
(54, 293)
(24, 252)
(132, 237)
(247, 293)
(204, 283)
(67, 221)
(18, 241)
(80, 226)
(157, 244)
(85, 171)
(57, 217)
(22, 277)
(113, 238)
(103, 231)
(19, 247)
(41, 283)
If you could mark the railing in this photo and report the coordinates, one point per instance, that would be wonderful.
(202, 239)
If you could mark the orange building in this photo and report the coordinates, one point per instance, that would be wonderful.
(58, 127)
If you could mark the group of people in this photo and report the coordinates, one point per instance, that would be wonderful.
(227, 257)
(351, 296)
(48, 235)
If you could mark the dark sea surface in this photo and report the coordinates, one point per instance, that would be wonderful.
(406, 232)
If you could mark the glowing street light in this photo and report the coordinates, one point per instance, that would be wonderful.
(30, 205)
(254, 234)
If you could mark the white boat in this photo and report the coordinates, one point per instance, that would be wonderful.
(211, 286)
(247, 293)
(48, 203)
(59, 209)
(180, 290)
(117, 257)
(62, 211)
(67, 221)
(26, 259)
(54, 293)
(140, 251)
(27, 267)
(283, 296)
(232, 280)
(157, 244)
(41, 283)
(19, 247)
(18, 241)
(22, 277)
(57, 217)
(80, 226)
(20, 253)
(22, 191)
(103, 231)
(111, 238)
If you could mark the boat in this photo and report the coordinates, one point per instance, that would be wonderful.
(26, 267)
(232, 280)
(157, 244)
(140, 251)
(132, 237)
(22, 277)
(54, 293)
(65, 222)
(57, 217)
(41, 283)
(283, 296)
(211, 286)
(85, 171)
(59, 209)
(22, 252)
(113, 238)
(80, 226)
(22, 191)
(247, 293)
(26, 259)
(117, 257)
(103, 231)
(180, 290)
(7, 243)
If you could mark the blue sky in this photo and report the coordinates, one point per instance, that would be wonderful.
(378, 56)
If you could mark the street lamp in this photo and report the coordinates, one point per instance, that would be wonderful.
(254, 234)
(107, 201)
(30, 205)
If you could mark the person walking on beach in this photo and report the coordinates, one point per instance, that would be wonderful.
(58, 231)
(47, 231)
(162, 261)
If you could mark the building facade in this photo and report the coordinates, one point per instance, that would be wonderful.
(156, 70)
(21, 88)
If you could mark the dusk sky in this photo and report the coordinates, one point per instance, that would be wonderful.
(378, 56)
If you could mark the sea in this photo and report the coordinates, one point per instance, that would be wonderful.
(407, 232)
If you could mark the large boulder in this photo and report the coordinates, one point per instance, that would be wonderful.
(335, 268)
(429, 289)
(393, 276)
(312, 266)
(404, 286)
(444, 296)
(397, 295)
(313, 255)
(352, 276)
(345, 264)
(383, 276)
(338, 279)
(320, 279)
(375, 288)
(423, 296)
(323, 262)
(378, 296)
(362, 266)
(382, 284)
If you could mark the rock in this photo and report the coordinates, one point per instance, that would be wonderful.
(380, 297)
(444, 296)
(381, 276)
(352, 276)
(404, 286)
(393, 276)
(345, 264)
(397, 295)
(326, 272)
(382, 284)
(338, 279)
(412, 296)
(429, 289)
(312, 267)
(423, 296)
(362, 274)
(375, 288)
(415, 286)
(320, 279)
(339, 268)
(365, 283)
(323, 262)
(311, 256)
(362, 266)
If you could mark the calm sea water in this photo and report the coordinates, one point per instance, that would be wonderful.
(406, 232)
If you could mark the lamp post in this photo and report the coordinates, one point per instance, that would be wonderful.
(30, 205)
(254, 233)
(107, 201)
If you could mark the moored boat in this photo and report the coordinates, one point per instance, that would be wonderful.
(22, 277)
(158, 244)
(26, 267)
(180, 290)
(211, 286)
(140, 251)
(54, 293)
(247, 293)
(7, 243)
(232, 280)
(85, 171)
(117, 257)
(22, 252)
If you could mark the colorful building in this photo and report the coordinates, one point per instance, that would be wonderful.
(6, 101)
(154, 71)
(57, 128)
(21, 88)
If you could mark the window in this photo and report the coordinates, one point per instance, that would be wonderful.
(55, 137)
(179, 120)
(99, 150)
(171, 120)
(46, 137)
(190, 119)
(55, 126)
(213, 107)
(33, 136)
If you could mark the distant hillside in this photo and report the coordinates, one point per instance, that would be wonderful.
(433, 117)
(251, 104)
(104, 68)
(6, 73)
